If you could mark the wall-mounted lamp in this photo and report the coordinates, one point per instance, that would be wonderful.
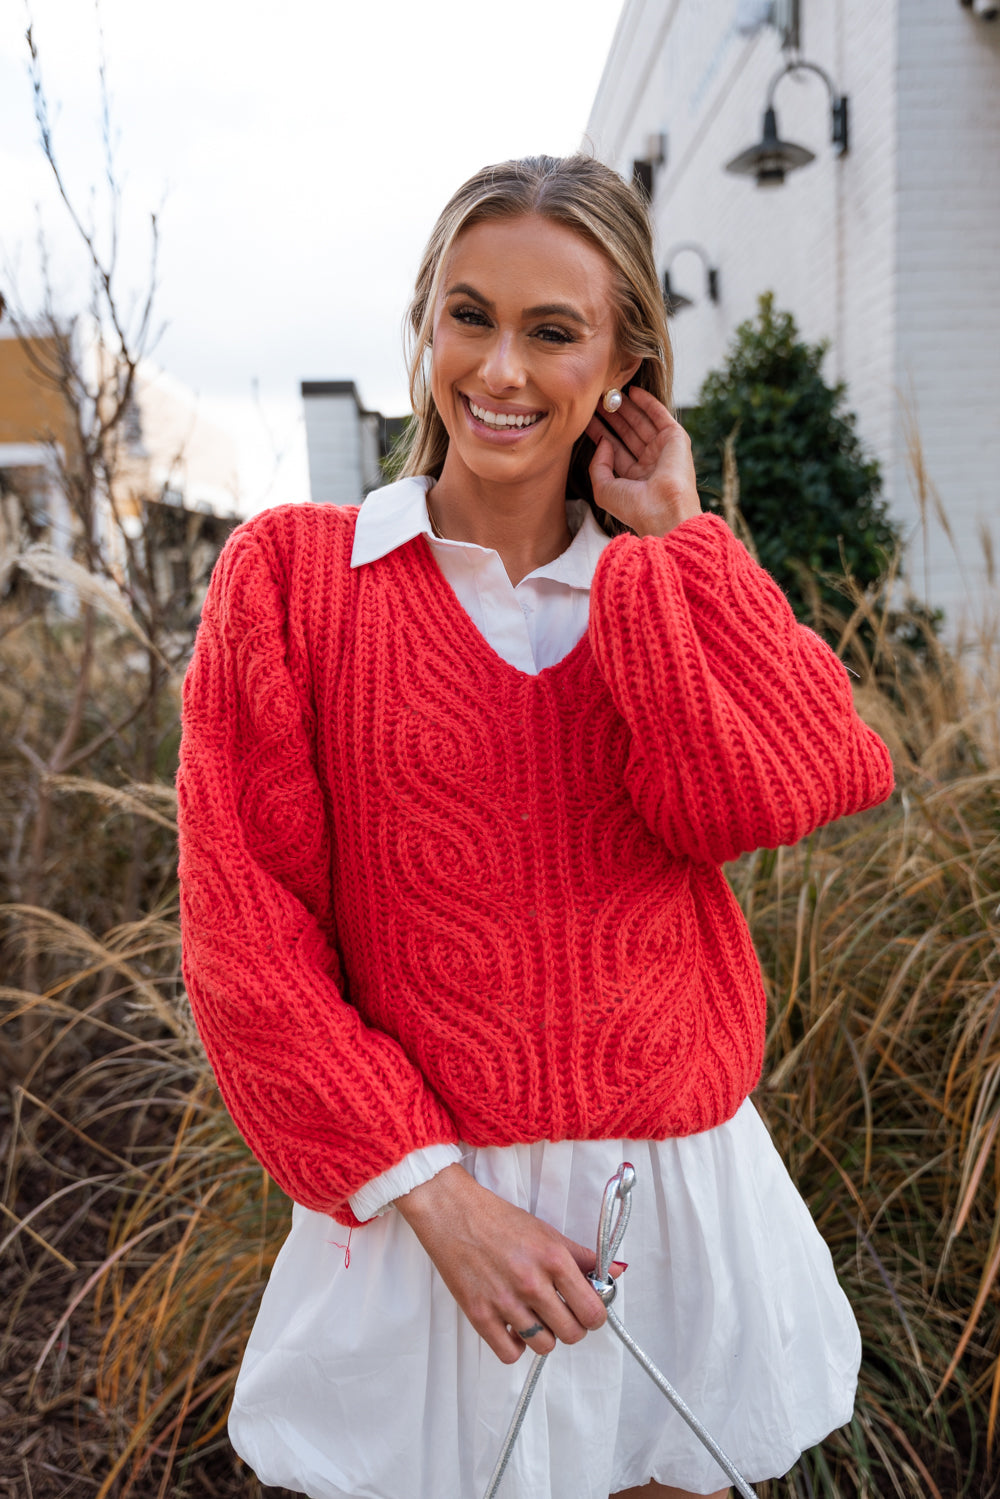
(644, 167)
(772, 158)
(676, 301)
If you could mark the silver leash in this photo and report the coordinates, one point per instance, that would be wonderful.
(615, 1210)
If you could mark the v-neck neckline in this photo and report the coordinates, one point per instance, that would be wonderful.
(469, 626)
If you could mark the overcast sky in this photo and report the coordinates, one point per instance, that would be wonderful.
(296, 155)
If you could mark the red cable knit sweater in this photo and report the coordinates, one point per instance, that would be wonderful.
(428, 897)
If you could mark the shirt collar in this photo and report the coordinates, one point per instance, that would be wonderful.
(392, 516)
(389, 518)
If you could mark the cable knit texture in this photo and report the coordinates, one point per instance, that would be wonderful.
(427, 897)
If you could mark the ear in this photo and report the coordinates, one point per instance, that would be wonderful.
(626, 373)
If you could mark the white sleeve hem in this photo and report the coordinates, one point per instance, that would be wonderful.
(377, 1197)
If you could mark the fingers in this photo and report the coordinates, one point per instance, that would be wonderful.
(558, 1301)
(571, 1316)
(654, 410)
(620, 458)
(602, 466)
(519, 1282)
(633, 425)
(527, 1333)
(639, 418)
(638, 431)
(541, 1336)
(587, 1260)
(505, 1343)
(561, 1307)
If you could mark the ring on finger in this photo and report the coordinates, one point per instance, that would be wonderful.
(531, 1332)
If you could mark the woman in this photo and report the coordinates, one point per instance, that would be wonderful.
(458, 776)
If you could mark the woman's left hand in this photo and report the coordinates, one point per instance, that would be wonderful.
(642, 471)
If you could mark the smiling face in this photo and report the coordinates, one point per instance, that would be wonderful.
(523, 349)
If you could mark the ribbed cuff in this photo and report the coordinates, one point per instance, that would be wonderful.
(377, 1197)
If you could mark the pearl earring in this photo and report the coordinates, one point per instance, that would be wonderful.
(612, 399)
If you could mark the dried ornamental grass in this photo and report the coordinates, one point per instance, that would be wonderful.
(880, 941)
(138, 1232)
(151, 1233)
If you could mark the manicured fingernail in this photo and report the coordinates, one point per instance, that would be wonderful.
(623, 1263)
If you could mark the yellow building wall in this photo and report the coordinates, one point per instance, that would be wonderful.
(32, 407)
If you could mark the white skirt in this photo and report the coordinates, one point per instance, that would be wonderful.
(367, 1382)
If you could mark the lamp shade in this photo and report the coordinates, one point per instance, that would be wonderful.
(771, 158)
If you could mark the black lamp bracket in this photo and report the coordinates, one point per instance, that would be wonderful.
(711, 272)
(838, 102)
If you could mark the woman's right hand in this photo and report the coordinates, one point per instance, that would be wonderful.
(508, 1271)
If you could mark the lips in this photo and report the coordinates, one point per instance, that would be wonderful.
(503, 421)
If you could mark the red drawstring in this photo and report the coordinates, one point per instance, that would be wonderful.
(345, 1247)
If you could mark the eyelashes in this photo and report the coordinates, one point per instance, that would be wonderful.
(555, 335)
(475, 317)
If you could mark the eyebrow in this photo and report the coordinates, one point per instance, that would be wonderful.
(545, 309)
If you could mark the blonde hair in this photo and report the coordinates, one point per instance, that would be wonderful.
(588, 197)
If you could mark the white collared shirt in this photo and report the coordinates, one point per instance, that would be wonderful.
(532, 625)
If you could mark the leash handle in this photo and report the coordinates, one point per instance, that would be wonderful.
(612, 1224)
(616, 1208)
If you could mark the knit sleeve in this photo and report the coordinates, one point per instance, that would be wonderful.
(743, 728)
(325, 1102)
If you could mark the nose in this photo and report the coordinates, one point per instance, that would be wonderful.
(502, 367)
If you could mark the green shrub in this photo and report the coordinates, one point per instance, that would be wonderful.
(807, 489)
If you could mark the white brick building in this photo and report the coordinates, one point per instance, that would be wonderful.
(891, 251)
(345, 442)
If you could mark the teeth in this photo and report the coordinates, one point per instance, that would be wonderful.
(499, 419)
